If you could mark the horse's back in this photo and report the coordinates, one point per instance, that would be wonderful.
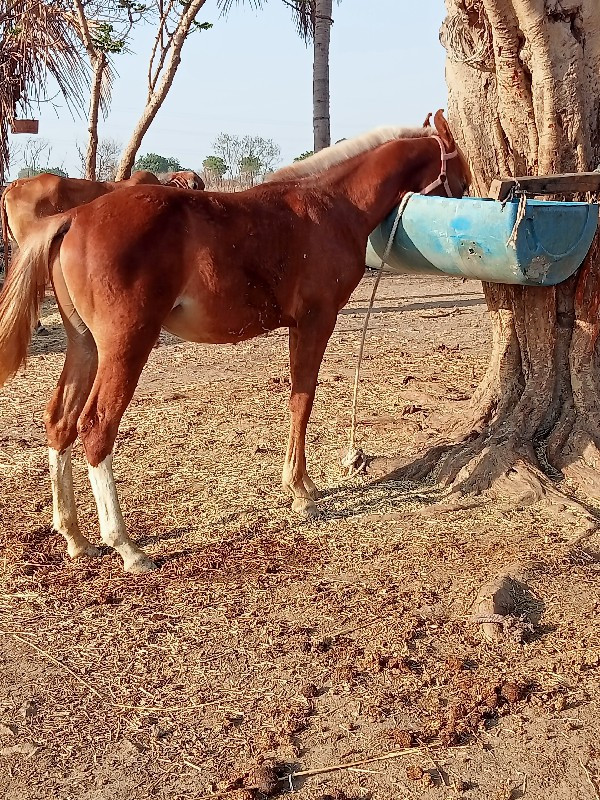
(30, 199)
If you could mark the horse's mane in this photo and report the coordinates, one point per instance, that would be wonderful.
(342, 151)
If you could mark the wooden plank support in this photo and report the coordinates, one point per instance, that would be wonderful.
(566, 183)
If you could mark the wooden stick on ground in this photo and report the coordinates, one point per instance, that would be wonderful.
(308, 773)
(54, 661)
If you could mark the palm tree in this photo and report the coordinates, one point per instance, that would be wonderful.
(37, 39)
(321, 112)
(313, 20)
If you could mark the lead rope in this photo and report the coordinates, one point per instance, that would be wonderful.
(521, 213)
(355, 460)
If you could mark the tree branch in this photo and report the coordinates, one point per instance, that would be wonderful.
(158, 94)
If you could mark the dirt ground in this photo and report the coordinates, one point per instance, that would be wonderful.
(265, 639)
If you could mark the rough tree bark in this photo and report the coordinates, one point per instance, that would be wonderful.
(321, 115)
(524, 93)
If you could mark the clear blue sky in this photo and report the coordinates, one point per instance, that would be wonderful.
(251, 74)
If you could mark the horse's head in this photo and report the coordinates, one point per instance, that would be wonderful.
(453, 173)
(185, 179)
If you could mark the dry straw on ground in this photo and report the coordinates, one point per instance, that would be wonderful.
(266, 638)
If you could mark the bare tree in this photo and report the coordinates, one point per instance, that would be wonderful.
(177, 20)
(34, 155)
(228, 148)
(246, 158)
(99, 63)
(109, 151)
(107, 159)
(104, 27)
(524, 89)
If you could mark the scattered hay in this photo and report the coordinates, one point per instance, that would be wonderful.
(262, 638)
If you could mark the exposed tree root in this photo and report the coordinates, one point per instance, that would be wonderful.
(506, 606)
(580, 461)
(505, 471)
(535, 418)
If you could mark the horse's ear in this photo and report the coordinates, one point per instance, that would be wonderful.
(443, 129)
(427, 123)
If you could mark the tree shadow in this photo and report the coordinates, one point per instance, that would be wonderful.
(421, 306)
(384, 495)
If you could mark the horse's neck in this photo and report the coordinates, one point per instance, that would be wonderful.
(376, 180)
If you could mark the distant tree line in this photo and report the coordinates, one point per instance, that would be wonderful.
(237, 162)
(240, 160)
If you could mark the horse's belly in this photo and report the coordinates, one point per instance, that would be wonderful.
(219, 324)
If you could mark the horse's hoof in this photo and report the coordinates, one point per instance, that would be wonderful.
(41, 331)
(305, 507)
(85, 551)
(140, 564)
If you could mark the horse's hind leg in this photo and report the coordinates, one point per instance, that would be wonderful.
(307, 346)
(64, 515)
(121, 361)
(60, 419)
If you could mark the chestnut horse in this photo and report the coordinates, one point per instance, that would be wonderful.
(209, 267)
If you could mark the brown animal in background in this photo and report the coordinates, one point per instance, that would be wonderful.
(185, 179)
(209, 267)
(27, 200)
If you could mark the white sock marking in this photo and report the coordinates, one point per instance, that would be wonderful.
(64, 510)
(112, 524)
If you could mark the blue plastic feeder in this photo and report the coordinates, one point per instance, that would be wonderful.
(476, 238)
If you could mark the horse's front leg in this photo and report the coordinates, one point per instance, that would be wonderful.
(307, 346)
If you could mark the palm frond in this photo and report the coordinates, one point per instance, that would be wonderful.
(226, 5)
(37, 39)
(303, 14)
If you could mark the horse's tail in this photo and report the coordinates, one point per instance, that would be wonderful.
(5, 228)
(24, 290)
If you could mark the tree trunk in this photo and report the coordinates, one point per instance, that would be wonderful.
(158, 89)
(524, 92)
(321, 123)
(99, 66)
(150, 111)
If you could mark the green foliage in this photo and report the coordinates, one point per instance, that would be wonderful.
(306, 154)
(201, 26)
(246, 156)
(196, 26)
(250, 165)
(152, 162)
(30, 172)
(132, 7)
(104, 39)
(215, 165)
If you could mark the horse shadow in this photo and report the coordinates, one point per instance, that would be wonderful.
(52, 339)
